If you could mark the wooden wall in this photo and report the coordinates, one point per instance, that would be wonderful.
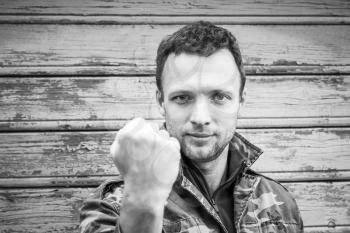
(73, 72)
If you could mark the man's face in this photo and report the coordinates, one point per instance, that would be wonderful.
(201, 102)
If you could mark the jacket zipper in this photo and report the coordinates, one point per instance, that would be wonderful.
(215, 208)
(242, 172)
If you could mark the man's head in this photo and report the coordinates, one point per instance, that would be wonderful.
(201, 38)
(200, 80)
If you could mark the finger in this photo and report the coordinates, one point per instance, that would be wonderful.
(154, 126)
(133, 125)
(113, 149)
(175, 142)
(163, 133)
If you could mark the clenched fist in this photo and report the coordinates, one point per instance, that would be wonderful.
(147, 158)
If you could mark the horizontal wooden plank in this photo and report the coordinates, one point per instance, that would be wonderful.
(45, 71)
(95, 180)
(79, 154)
(99, 100)
(180, 7)
(141, 20)
(322, 203)
(111, 45)
(96, 125)
(329, 229)
(46, 210)
(41, 210)
(54, 182)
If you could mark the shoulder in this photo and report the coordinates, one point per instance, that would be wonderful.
(271, 205)
(266, 183)
(108, 186)
(110, 192)
(100, 211)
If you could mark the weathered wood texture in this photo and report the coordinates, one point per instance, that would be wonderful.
(91, 42)
(101, 70)
(95, 125)
(56, 210)
(132, 48)
(102, 99)
(180, 7)
(86, 181)
(164, 20)
(315, 153)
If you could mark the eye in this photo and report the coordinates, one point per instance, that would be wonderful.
(181, 99)
(220, 98)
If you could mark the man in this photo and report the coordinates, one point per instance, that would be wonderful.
(191, 175)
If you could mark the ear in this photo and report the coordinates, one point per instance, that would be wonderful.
(242, 100)
(160, 102)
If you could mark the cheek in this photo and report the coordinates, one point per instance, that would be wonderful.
(226, 115)
(175, 119)
(175, 113)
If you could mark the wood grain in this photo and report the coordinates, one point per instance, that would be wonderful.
(45, 176)
(330, 229)
(96, 125)
(321, 152)
(99, 100)
(111, 45)
(180, 7)
(49, 71)
(44, 210)
(94, 180)
(173, 20)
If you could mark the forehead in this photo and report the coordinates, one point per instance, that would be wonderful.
(218, 70)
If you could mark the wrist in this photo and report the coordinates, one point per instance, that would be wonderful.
(146, 198)
(141, 214)
(139, 193)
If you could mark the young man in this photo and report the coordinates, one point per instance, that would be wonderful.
(193, 174)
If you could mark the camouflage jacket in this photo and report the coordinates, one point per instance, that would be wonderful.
(260, 203)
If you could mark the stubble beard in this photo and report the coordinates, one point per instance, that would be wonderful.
(200, 155)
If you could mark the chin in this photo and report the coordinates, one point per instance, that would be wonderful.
(199, 154)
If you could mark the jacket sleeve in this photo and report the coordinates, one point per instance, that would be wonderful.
(100, 212)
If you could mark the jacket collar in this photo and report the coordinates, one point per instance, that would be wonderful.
(247, 151)
(245, 154)
(243, 151)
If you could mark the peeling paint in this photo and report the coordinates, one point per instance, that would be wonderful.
(65, 126)
(307, 168)
(304, 132)
(36, 172)
(342, 134)
(348, 212)
(88, 83)
(19, 117)
(284, 62)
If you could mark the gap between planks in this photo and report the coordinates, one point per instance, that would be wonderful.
(112, 70)
(112, 125)
(171, 20)
(94, 181)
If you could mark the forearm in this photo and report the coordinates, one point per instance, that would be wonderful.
(140, 214)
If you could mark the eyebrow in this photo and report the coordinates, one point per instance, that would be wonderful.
(176, 92)
(186, 91)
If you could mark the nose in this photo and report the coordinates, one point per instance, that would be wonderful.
(200, 114)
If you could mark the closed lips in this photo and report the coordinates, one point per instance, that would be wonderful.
(200, 135)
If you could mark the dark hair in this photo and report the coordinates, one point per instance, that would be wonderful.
(202, 38)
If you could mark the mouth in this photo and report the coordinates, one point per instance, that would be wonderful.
(199, 135)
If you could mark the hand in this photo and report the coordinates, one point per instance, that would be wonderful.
(147, 158)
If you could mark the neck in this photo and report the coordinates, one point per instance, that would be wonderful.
(214, 170)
